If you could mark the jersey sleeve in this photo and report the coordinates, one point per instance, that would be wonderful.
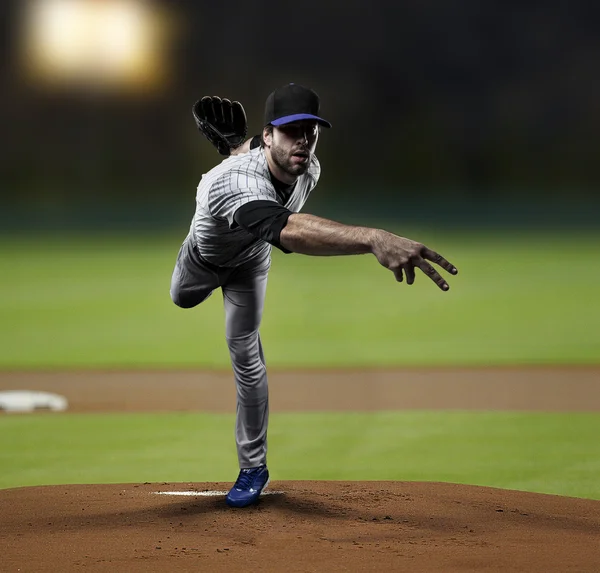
(234, 189)
(265, 220)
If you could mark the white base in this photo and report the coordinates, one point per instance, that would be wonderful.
(28, 401)
(208, 493)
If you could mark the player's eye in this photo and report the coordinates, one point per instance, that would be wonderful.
(291, 130)
(295, 131)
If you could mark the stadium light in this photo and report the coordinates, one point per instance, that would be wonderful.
(102, 43)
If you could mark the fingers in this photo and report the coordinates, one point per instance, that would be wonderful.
(439, 260)
(398, 274)
(217, 105)
(206, 109)
(227, 109)
(433, 274)
(239, 118)
(211, 110)
(222, 113)
(198, 111)
(410, 274)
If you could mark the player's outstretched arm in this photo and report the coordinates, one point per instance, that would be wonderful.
(311, 235)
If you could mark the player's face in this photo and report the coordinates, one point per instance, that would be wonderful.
(293, 144)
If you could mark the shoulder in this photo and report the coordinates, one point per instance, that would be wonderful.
(238, 172)
(254, 160)
(314, 170)
(315, 163)
(241, 179)
(248, 170)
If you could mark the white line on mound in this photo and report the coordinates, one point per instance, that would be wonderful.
(207, 493)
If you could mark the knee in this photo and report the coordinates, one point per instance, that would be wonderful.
(176, 298)
(176, 290)
(245, 355)
(182, 300)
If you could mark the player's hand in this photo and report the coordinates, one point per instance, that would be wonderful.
(402, 256)
(221, 121)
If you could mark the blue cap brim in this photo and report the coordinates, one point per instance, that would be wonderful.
(299, 117)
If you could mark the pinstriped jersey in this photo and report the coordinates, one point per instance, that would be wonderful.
(236, 181)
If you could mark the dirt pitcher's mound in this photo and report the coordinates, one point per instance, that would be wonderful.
(300, 526)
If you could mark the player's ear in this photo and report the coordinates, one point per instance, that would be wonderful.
(267, 135)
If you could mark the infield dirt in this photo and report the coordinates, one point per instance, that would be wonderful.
(307, 526)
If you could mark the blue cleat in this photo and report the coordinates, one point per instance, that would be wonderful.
(248, 487)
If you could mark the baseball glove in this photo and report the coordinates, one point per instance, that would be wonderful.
(222, 122)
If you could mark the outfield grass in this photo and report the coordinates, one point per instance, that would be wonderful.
(104, 302)
(542, 452)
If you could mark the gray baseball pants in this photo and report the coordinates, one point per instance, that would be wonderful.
(244, 290)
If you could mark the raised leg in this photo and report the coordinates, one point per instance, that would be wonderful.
(192, 281)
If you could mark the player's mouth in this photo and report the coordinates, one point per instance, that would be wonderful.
(301, 157)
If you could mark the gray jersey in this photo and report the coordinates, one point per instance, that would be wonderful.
(236, 181)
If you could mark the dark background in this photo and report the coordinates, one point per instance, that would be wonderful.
(460, 113)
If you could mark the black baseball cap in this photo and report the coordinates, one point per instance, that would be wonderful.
(292, 102)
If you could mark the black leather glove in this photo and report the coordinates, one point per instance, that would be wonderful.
(222, 122)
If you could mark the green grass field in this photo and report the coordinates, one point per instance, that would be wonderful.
(104, 302)
(550, 453)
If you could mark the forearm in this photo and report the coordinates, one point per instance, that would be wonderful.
(311, 235)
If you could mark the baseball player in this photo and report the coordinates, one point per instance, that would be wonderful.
(244, 206)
